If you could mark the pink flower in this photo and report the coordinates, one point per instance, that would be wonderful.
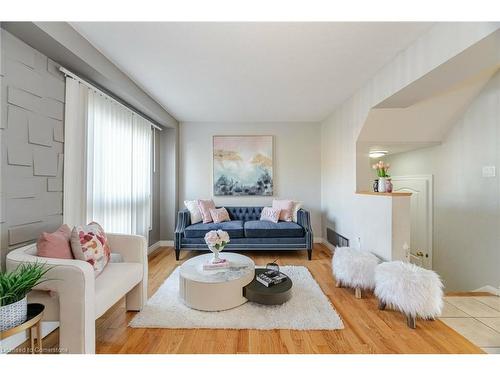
(212, 238)
(224, 236)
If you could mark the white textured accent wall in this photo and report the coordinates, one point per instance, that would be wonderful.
(31, 126)
(339, 131)
(297, 161)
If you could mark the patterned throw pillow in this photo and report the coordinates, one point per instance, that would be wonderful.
(286, 207)
(219, 215)
(89, 243)
(205, 206)
(194, 211)
(270, 214)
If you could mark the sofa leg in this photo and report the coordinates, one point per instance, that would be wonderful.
(309, 254)
(357, 293)
(411, 321)
(177, 253)
(381, 305)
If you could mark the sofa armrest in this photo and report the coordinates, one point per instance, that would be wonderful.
(64, 272)
(74, 282)
(133, 248)
(304, 219)
(183, 220)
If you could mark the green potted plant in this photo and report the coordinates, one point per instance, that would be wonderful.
(14, 287)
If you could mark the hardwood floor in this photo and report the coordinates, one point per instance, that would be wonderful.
(367, 330)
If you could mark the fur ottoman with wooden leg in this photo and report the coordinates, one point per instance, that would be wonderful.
(413, 290)
(354, 268)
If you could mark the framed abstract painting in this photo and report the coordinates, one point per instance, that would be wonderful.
(243, 165)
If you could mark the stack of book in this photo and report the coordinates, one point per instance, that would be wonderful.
(221, 264)
(270, 278)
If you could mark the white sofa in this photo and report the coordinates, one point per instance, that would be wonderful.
(76, 298)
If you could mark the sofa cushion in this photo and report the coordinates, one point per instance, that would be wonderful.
(234, 228)
(268, 229)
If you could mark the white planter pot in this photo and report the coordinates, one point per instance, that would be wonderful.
(381, 185)
(14, 314)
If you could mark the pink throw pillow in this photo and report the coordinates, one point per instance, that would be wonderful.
(286, 207)
(205, 207)
(90, 244)
(270, 214)
(219, 215)
(56, 244)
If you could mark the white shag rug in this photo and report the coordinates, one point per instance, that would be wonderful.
(308, 309)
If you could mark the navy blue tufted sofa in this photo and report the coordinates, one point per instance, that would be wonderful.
(247, 232)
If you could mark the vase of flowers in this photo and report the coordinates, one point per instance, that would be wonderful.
(382, 169)
(216, 240)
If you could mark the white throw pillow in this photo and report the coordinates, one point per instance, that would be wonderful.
(194, 210)
(270, 214)
(296, 207)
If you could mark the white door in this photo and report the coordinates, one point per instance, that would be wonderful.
(421, 216)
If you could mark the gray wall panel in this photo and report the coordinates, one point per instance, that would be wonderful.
(16, 117)
(53, 69)
(44, 162)
(31, 133)
(40, 130)
(19, 155)
(58, 130)
(53, 108)
(25, 78)
(23, 99)
(55, 88)
(17, 51)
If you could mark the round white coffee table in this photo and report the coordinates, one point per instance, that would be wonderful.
(215, 290)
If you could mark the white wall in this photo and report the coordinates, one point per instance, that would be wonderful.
(383, 225)
(297, 163)
(339, 132)
(466, 205)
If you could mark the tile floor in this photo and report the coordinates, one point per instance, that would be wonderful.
(476, 318)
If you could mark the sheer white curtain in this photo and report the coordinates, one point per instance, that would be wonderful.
(118, 167)
(75, 153)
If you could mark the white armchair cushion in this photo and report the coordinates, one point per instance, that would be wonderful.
(114, 282)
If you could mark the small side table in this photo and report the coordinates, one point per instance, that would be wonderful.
(33, 321)
(273, 295)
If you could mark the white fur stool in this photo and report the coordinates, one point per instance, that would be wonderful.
(413, 290)
(354, 269)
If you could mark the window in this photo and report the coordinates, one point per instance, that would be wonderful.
(119, 153)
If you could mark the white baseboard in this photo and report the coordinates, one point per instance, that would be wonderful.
(12, 342)
(318, 239)
(489, 289)
(159, 244)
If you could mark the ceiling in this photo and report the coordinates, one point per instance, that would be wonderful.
(250, 72)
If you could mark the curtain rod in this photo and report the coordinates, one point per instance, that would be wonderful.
(93, 87)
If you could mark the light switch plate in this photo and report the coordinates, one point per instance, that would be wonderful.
(489, 171)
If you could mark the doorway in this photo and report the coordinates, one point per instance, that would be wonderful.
(421, 216)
